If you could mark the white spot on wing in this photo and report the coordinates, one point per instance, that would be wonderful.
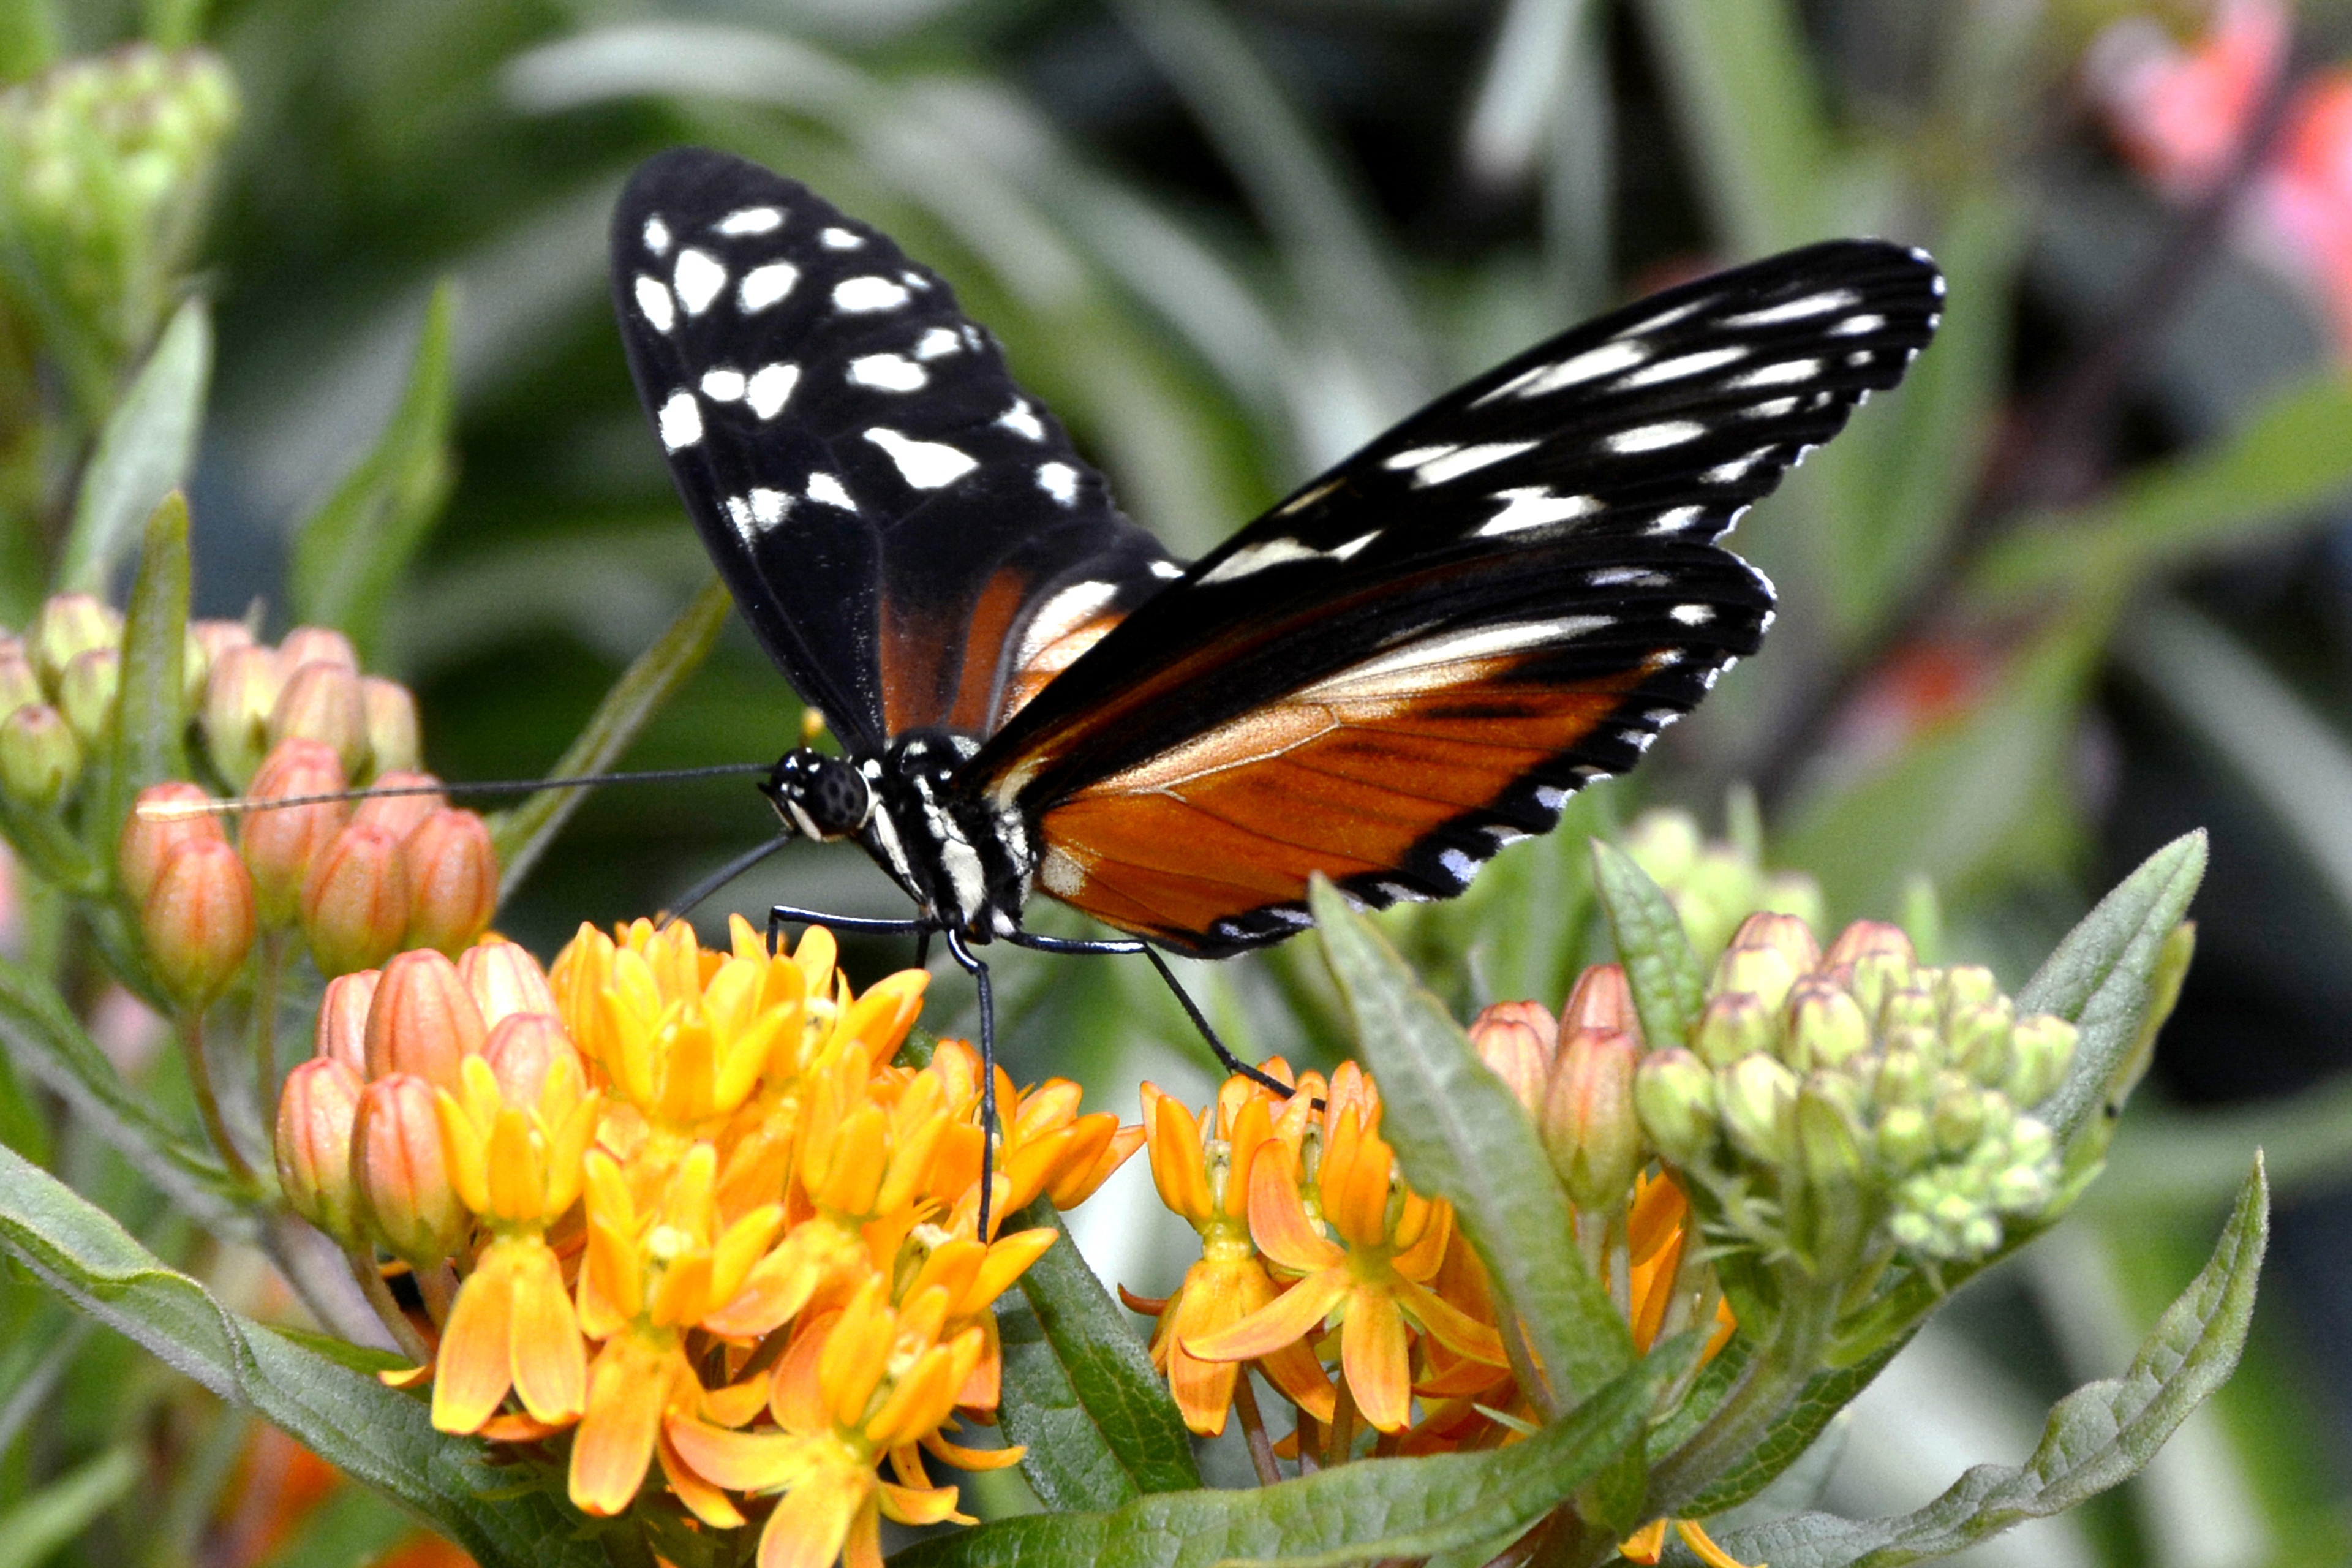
(1467, 459)
(1653, 437)
(888, 373)
(841, 239)
(1693, 614)
(739, 512)
(657, 236)
(1675, 519)
(1257, 557)
(1854, 326)
(1739, 468)
(770, 388)
(1533, 506)
(925, 465)
(1458, 866)
(826, 488)
(763, 286)
(1065, 613)
(1021, 421)
(1059, 480)
(1349, 550)
(1787, 372)
(1420, 666)
(1798, 309)
(699, 279)
(769, 507)
(1416, 456)
(1685, 365)
(936, 344)
(1607, 360)
(681, 421)
(750, 220)
(654, 303)
(1167, 570)
(723, 385)
(865, 295)
(1550, 797)
(1665, 318)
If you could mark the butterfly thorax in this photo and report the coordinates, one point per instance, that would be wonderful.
(966, 862)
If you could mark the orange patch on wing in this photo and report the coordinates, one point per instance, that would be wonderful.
(915, 661)
(1240, 818)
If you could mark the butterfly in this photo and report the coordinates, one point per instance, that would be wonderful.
(1408, 663)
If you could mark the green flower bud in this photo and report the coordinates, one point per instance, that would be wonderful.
(1912, 1007)
(1958, 1115)
(86, 693)
(1785, 933)
(1967, 985)
(238, 697)
(1826, 1027)
(1588, 1124)
(1734, 1025)
(19, 685)
(2041, 1054)
(392, 740)
(1875, 976)
(1759, 1095)
(67, 624)
(1903, 1076)
(1673, 1094)
(1903, 1139)
(40, 758)
(1830, 1223)
(1763, 972)
(1978, 1040)
(1925, 1044)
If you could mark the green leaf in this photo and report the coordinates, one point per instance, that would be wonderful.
(349, 554)
(2275, 475)
(1357, 1512)
(47, 1041)
(2096, 1437)
(522, 835)
(145, 452)
(1790, 1438)
(152, 711)
(347, 1417)
(1669, 988)
(1079, 1389)
(35, 1528)
(1462, 1136)
(2100, 976)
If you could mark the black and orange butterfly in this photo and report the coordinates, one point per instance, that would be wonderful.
(1408, 663)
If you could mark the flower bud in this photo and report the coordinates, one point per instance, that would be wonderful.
(1588, 1120)
(1978, 1040)
(401, 1173)
(1675, 1094)
(393, 737)
(1958, 1116)
(1826, 1027)
(1759, 1095)
(1517, 1040)
(505, 979)
(355, 901)
(1915, 1008)
(317, 645)
(1903, 1139)
(523, 1049)
(320, 702)
(1734, 1025)
(197, 920)
(1966, 985)
(1904, 1077)
(216, 638)
(1833, 1221)
(148, 841)
(422, 1021)
(203, 643)
(1875, 976)
(343, 1018)
(1600, 1000)
(1864, 937)
(453, 881)
(1829, 1136)
(239, 697)
(315, 1117)
(1665, 844)
(280, 845)
(66, 625)
(399, 814)
(18, 684)
(86, 693)
(2043, 1053)
(1786, 934)
(1765, 973)
(40, 758)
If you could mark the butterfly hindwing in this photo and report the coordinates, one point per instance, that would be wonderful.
(900, 523)
(1417, 657)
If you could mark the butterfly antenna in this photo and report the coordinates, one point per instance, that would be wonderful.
(176, 810)
(722, 877)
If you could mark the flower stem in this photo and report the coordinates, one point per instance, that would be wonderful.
(1776, 1374)
(191, 1034)
(1340, 1441)
(1261, 1447)
(379, 1295)
(265, 1020)
(439, 1285)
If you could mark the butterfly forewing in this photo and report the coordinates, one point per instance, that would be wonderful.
(904, 528)
(1415, 658)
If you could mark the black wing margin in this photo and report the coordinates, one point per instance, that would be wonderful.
(891, 512)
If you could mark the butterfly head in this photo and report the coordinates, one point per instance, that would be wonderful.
(818, 796)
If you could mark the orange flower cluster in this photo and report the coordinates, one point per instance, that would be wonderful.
(702, 1219)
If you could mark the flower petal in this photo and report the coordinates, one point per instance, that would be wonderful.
(1373, 1353)
(471, 1373)
(549, 1362)
(1287, 1319)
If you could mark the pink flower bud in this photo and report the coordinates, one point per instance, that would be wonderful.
(280, 845)
(198, 919)
(1588, 1125)
(505, 979)
(1865, 937)
(207, 640)
(40, 758)
(423, 1020)
(399, 814)
(1516, 1040)
(523, 1049)
(321, 701)
(1600, 1000)
(356, 901)
(315, 1116)
(453, 881)
(401, 1175)
(317, 645)
(148, 841)
(238, 700)
(1786, 934)
(343, 1018)
(69, 624)
(393, 741)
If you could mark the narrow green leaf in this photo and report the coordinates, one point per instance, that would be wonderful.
(1080, 1392)
(1463, 1137)
(1790, 1438)
(347, 1417)
(45, 1039)
(1669, 988)
(150, 714)
(349, 554)
(1359, 1512)
(59, 1512)
(522, 835)
(2275, 475)
(2096, 1437)
(2099, 977)
(145, 452)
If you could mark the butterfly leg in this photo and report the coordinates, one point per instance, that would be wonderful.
(782, 915)
(724, 874)
(973, 966)
(1225, 1057)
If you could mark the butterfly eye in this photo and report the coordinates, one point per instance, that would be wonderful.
(819, 796)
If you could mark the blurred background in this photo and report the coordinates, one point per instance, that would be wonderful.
(2085, 582)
